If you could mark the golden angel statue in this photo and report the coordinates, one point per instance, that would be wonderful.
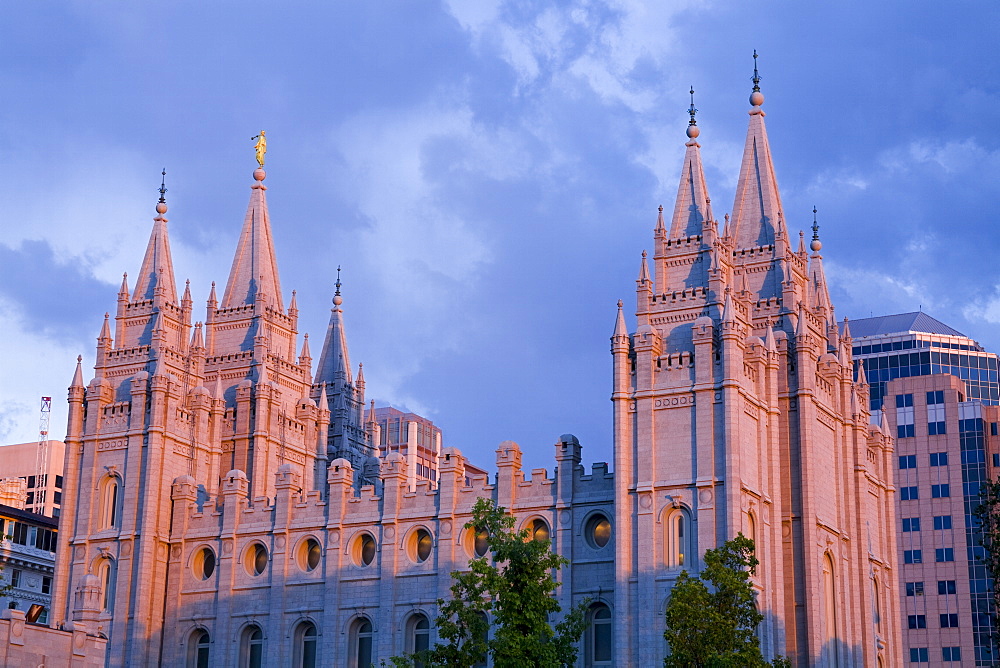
(260, 147)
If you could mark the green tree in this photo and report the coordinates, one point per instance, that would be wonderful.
(714, 624)
(988, 516)
(514, 583)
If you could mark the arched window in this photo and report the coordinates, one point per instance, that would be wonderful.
(305, 645)
(361, 643)
(538, 529)
(252, 647)
(198, 648)
(877, 602)
(678, 538)
(830, 606)
(110, 495)
(418, 635)
(598, 644)
(106, 574)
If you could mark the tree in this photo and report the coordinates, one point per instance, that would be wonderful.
(514, 583)
(715, 624)
(987, 516)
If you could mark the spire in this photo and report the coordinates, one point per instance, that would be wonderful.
(334, 363)
(728, 315)
(254, 266)
(621, 330)
(758, 205)
(123, 290)
(218, 394)
(643, 270)
(105, 335)
(324, 405)
(862, 376)
(361, 376)
(305, 357)
(845, 333)
(820, 295)
(157, 266)
(78, 375)
(661, 228)
(197, 338)
(690, 207)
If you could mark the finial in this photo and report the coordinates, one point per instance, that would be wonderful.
(816, 244)
(692, 130)
(161, 205)
(756, 97)
(260, 148)
(337, 299)
(644, 254)
(619, 305)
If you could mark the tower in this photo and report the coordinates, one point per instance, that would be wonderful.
(172, 398)
(736, 410)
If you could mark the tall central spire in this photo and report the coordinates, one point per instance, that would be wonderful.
(692, 194)
(255, 268)
(334, 363)
(157, 272)
(758, 205)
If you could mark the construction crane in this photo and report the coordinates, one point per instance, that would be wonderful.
(42, 459)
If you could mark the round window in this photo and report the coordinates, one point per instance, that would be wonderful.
(538, 530)
(421, 545)
(480, 542)
(598, 531)
(364, 550)
(309, 554)
(255, 559)
(204, 563)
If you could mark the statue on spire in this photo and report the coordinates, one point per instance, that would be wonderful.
(260, 147)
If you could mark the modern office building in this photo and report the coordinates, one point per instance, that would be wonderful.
(414, 437)
(43, 491)
(935, 385)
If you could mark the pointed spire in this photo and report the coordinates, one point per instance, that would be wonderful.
(769, 342)
(197, 338)
(643, 270)
(621, 329)
(845, 333)
(801, 327)
(157, 272)
(802, 243)
(186, 299)
(305, 356)
(78, 374)
(862, 376)
(218, 393)
(123, 290)
(728, 314)
(757, 209)
(661, 228)
(324, 405)
(212, 299)
(334, 362)
(105, 335)
(361, 376)
(255, 268)
(293, 308)
(691, 205)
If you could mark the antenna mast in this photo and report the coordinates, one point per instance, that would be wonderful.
(42, 459)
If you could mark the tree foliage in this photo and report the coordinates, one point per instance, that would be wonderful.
(514, 584)
(988, 517)
(712, 620)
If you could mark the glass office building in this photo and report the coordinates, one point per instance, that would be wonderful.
(946, 442)
(915, 344)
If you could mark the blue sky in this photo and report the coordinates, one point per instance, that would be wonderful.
(487, 174)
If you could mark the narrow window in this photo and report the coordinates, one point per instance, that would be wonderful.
(110, 503)
(830, 596)
(678, 538)
(198, 649)
(598, 639)
(361, 643)
(305, 645)
(418, 636)
(106, 574)
(252, 647)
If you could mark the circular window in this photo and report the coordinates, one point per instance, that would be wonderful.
(480, 542)
(309, 554)
(598, 530)
(420, 545)
(538, 530)
(255, 559)
(364, 550)
(204, 563)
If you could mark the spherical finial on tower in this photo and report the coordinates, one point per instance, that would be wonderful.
(692, 129)
(161, 205)
(259, 174)
(756, 97)
(337, 299)
(815, 244)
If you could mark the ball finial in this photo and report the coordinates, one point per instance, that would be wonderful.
(259, 174)
(815, 244)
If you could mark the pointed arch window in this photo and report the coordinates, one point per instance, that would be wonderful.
(252, 647)
(305, 645)
(199, 645)
(361, 643)
(111, 497)
(106, 573)
(598, 637)
(830, 610)
(678, 543)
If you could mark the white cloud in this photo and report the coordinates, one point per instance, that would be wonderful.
(949, 157)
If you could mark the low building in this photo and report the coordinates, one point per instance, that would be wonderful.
(27, 561)
(44, 489)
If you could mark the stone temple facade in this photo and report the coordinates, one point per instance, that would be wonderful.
(225, 505)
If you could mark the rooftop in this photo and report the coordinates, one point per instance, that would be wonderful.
(901, 323)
